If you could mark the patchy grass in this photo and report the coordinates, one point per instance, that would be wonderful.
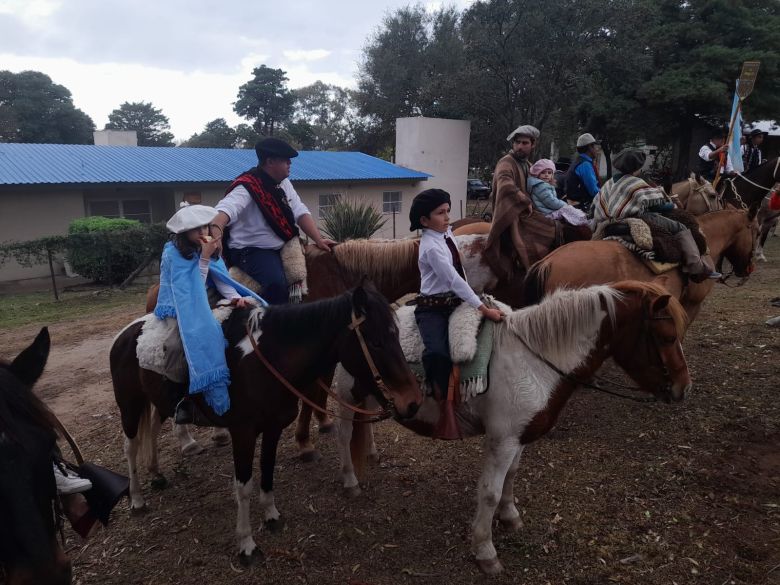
(17, 310)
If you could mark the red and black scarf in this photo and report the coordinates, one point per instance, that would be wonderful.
(271, 200)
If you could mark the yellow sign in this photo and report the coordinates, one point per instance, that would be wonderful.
(747, 79)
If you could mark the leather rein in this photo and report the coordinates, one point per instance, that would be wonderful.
(377, 415)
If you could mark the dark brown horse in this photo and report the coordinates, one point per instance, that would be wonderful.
(730, 234)
(748, 189)
(30, 552)
(302, 342)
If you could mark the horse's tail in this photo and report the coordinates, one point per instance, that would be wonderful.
(146, 442)
(359, 445)
(151, 297)
(534, 283)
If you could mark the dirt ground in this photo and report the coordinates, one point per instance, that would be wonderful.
(620, 492)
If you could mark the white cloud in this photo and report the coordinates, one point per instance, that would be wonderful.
(303, 55)
(30, 11)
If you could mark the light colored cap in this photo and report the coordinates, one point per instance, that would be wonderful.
(524, 130)
(585, 140)
(190, 217)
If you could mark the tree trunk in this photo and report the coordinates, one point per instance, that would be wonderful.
(680, 170)
(51, 272)
(134, 274)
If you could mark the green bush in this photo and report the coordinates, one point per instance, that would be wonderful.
(351, 220)
(107, 250)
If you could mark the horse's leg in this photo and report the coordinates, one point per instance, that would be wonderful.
(158, 480)
(135, 424)
(220, 437)
(267, 464)
(343, 439)
(373, 454)
(243, 439)
(326, 423)
(507, 511)
(187, 444)
(306, 450)
(762, 238)
(499, 455)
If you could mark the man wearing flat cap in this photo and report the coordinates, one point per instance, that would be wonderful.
(263, 212)
(751, 151)
(710, 153)
(519, 236)
(582, 180)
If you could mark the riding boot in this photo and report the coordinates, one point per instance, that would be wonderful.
(447, 427)
(698, 267)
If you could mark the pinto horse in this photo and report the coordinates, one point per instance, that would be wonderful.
(541, 354)
(29, 504)
(730, 234)
(268, 351)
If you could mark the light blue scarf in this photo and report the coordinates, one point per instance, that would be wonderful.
(183, 297)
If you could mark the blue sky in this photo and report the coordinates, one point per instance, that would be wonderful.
(186, 57)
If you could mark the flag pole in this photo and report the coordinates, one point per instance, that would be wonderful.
(723, 155)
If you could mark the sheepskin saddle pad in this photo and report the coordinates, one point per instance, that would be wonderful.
(159, 346)
(471, 345)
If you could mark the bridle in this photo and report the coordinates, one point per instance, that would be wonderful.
(381, 414)
(646, 318)
(766, 190)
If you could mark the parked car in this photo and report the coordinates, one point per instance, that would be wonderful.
(476, 189)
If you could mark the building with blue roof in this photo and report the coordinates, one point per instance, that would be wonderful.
(43, 187)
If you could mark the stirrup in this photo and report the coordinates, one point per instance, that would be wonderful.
(185, 412)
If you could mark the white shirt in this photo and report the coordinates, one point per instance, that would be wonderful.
(437, 272)
(248, 227)
(704, 154)
(226, 290)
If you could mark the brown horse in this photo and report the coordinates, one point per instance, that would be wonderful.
(541, 355)
(30, 552)
(303, 343)
(749, 189)
(730, 234)
(696, 195)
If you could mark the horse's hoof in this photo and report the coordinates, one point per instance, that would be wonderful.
(490, 566)
(353, 491)
(310, 456)
(274, 525)
(511, 524)
(159, 482)
(326, 427)
(192, 449)
(247, 560)
(139, 510)
(221, 439)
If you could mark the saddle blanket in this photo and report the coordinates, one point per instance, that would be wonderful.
(159, 346)
(471, 346)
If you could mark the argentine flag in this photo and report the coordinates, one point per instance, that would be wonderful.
(735, 147)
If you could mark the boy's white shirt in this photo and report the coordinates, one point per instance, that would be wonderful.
(437, 273)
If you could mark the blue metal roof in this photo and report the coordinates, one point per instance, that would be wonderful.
(32, 164)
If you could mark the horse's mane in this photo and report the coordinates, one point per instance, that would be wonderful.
(18, 405)
(565, 323)
(383, 261)
(645, 289)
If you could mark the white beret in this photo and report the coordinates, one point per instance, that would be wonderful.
(191, 217)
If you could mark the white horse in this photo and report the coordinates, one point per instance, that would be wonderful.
(540, 355)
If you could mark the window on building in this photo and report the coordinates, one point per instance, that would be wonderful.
(138, 209)
(193, 197)
(326, 201)
(391, 202)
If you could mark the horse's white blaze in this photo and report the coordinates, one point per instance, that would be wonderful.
(246, 544)
(268, 506)
(131, 454)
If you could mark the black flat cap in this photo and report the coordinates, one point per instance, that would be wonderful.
(630, 160)
(424, 204)
(274, 148)
(756, 132)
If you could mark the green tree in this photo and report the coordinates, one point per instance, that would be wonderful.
(35, 109)
(150, 124)
(265, 100)
(216, 134)
(326, 117)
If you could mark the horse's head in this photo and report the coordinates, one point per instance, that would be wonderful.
(649, 328)
(371, 352)
(706, 187)
(29, 550)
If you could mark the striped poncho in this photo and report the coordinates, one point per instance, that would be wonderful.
(626, 196)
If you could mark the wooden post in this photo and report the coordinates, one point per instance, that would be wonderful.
(51, 272)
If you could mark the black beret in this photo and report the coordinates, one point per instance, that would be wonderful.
(629, 160)
(756, 132)
(424, 204)
(274, 148)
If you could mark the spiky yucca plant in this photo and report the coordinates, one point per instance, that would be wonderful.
(352, 220)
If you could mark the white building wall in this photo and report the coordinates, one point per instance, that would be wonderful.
(115, 138)
(440, 148)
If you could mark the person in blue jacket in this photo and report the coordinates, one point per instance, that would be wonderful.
(541, 188)
(582, 181)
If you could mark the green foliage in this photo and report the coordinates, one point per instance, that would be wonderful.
(107, 250)
(351, 220)
(150, 124)
(216, 134)
(35, 109)
(266, 100)
(32, 252)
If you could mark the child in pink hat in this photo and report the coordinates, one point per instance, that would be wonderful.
(541, 188)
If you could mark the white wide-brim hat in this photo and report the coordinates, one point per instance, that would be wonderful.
(191, 217)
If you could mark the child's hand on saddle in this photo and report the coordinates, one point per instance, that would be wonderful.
(241, 303)
(493, 314)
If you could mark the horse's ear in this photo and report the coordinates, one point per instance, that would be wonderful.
(660, 303)
(28, 365)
